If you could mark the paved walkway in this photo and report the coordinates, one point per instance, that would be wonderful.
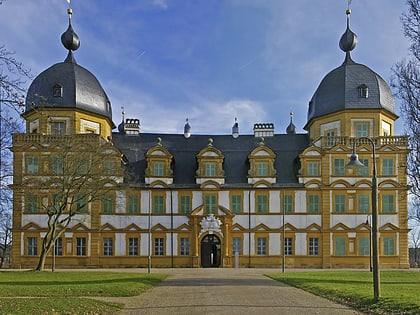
(226, 291)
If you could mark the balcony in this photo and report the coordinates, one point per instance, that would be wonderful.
(329, 142)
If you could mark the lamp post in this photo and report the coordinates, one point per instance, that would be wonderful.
(355, 164)
(370, 244)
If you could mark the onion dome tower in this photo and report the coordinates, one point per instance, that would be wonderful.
(352, 90)
(69, 91)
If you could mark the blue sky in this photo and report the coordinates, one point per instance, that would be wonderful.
(208, 60)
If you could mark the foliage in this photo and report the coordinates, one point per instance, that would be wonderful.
(78, 179)
(406, 83)
(67, 292)
(399, 294)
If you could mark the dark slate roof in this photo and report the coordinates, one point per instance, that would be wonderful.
(236, 151)
(339, 91)
(81, 90)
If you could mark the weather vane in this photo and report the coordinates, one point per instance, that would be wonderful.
(348, 11)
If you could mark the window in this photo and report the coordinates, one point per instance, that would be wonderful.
(108, 248)
(236, 203)
(159, 246)
(81, 246)
(133, 246)
(313, 169)
(262, 169)
(185, 204)
(364, 246)
(236, 245)
(288, 246)
(57, 202)
(388, 203)
(261, 246)
(185, 246)
(262, 203)
(109, 167)
(58, 90)
(288, 203)
(363, 171)
(313, 203)
(133, 204)
(210, 169)
(32, 164)
(82, 165)
(32, 246)
(158, 169)
(363, 203)
(340, 203)
(339, 167)
(159, 204)
(58, 247)
(387, 167)
(32, 203)
(108, 204)
(389, 246)
(363, 91)
(313, 246)
(331, 140)
(340, 246)
(57, 165)
(81, 203)
(210, 204)
(362, 129)
(58, 128)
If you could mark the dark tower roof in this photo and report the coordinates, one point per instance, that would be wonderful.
(341, 88)
(68, 85)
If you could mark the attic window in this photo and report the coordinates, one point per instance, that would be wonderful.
(58, 90)
(363, 91)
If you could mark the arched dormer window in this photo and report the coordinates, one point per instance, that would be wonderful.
(363, 91)
(58, 90)
(210, 165)
(261, 161)
(159, 164)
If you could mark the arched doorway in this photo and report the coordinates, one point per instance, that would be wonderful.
(210, 251)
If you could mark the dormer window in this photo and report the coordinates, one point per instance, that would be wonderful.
(159, 165)
(58, 90)
(210, 165)
(363, 91)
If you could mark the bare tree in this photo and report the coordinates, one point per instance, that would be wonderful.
(5, 237)
(414, 244)
(82, 170)
(406, 83)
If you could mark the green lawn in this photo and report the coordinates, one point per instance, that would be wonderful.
(68, 292)
(399, 289)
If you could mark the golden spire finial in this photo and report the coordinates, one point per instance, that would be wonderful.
(69, 10)
(348, 11)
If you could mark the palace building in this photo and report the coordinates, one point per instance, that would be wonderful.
(265, 199)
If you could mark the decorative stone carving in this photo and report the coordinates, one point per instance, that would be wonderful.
(210, 224)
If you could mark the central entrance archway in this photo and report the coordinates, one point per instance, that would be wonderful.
(210, 251)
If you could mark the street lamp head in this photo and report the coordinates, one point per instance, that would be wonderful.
(354, 162)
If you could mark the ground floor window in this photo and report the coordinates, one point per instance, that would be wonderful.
(313, 246)
(133, 246)
(58, 247)
(364, 246)
(81, 246)
(32, 246)
(159, 246)
(261, 246)
(340, 246)
(389, 246)
(288, 246)
(236, 245)
(108, 246)
(184, 246)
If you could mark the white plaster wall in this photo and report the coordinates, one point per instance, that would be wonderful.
(197, 199)
(120, 199)
(300, 201)
(175, 244)
(300, 244)
(120, 244)
(274, 244)
(224, 199)
(252, 237)
(41, 220)
(144, 239)
(168, 244)
(145, 202)
(274, 202)
(175, 202)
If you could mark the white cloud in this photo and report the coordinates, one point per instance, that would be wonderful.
(160, 3)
